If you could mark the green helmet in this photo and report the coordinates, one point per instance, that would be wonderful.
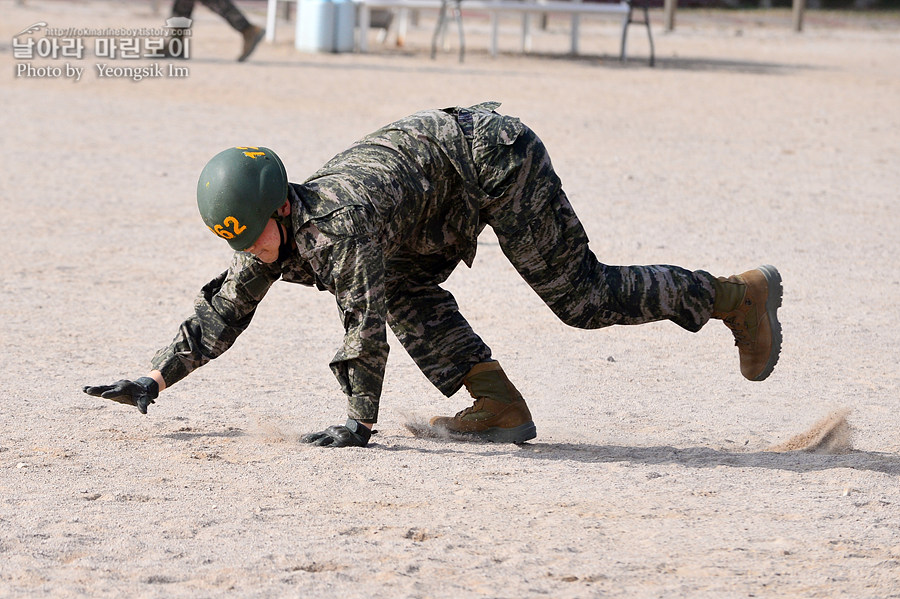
(238, 191)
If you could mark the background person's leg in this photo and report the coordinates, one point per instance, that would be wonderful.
(183, 8)
(228, 11)
(251, 34)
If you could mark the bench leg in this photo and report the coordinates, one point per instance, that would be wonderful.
(495, 25)
(439, 29)
(526, 32)
(629, 19)
(364, 18)
(270, 20)
(402, 26)
(576, 33)
(457, 14)
(649, 35)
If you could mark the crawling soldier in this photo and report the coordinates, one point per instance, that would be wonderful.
(384, 223)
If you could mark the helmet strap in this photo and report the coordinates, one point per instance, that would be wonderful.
(284, 248)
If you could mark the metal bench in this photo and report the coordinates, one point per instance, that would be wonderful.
(576, 8)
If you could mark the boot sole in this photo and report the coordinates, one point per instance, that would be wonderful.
(245, 55)
(518, 434)
(773, 302)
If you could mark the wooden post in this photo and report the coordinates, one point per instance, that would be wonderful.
(669, 7)
(799, 7)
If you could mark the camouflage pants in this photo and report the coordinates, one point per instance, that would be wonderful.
(224, 8)
(542, 237)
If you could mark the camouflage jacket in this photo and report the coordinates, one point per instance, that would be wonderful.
(415, 185)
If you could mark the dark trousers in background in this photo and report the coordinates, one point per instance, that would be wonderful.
(225, 8)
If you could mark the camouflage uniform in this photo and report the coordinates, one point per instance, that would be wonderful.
(224, 8)
(382, 224)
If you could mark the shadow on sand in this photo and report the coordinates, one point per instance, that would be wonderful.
(689, 457)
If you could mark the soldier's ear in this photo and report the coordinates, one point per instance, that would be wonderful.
(285, 208)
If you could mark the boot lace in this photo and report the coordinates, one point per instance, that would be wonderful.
(739, 330)
(475, 407)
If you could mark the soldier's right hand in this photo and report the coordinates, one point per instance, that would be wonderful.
(351, 434)
(139, 393)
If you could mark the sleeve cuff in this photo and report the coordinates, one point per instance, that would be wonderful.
(362, 408)
(171, 368)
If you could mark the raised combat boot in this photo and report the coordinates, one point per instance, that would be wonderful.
(499, 413)
(252, 36)
(748, 305)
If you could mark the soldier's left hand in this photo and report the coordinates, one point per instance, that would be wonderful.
(351, 434)
(139, 393)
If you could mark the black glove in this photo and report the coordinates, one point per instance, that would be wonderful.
(351, 434)
(139, 393)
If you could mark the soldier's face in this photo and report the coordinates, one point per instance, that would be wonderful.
(266, 247)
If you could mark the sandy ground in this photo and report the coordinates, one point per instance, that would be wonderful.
(650, 476)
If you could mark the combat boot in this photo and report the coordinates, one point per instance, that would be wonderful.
(499, 413)
(748, 304)
(252, 36)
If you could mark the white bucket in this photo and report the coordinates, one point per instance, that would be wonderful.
(325, 25)
(344, 25)
(315, 26)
